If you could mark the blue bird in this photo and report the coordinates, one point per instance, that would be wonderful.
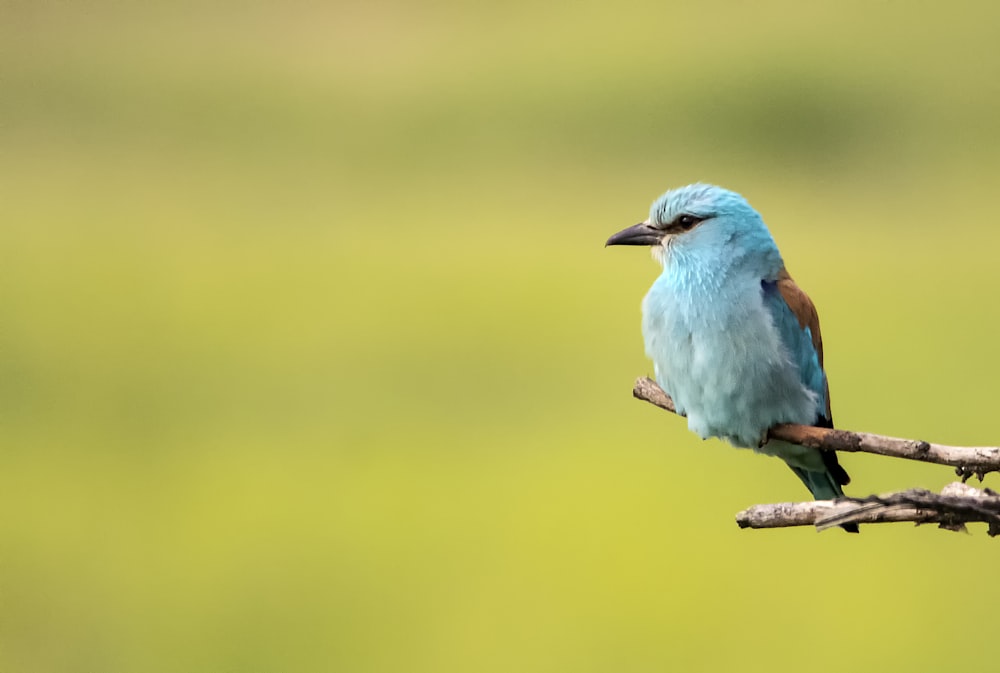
(733, 339)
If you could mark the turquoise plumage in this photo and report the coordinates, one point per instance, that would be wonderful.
(733, 340)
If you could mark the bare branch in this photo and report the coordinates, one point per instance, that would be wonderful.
(967, 460)
(956, 505)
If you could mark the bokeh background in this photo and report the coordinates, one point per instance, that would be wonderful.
(311, 358)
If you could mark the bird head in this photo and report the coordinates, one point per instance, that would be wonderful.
(702, 219)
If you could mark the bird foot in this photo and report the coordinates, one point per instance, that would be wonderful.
(965, 472)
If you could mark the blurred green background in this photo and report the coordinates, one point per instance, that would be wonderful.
(311, 358)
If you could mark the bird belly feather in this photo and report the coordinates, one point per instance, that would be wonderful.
(718, 354)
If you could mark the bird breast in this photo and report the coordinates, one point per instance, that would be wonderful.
(718, 354)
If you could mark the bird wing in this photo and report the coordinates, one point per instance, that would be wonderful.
(798, 324)
(802, 308)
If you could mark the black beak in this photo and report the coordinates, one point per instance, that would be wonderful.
(639, 234)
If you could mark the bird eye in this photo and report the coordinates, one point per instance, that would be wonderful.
(687, 221)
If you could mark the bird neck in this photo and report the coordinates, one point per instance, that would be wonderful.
(708, 268)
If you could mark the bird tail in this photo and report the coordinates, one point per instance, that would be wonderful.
(827, 484)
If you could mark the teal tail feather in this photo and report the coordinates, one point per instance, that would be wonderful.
(827, 484)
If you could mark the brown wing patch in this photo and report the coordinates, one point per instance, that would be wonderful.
(800, 304)
(802, 307)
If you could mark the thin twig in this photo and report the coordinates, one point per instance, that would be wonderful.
(956, 505)
(967, 460)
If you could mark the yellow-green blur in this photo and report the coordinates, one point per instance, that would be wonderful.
(311, 358)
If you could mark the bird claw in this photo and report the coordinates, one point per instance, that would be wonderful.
(965, 472)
